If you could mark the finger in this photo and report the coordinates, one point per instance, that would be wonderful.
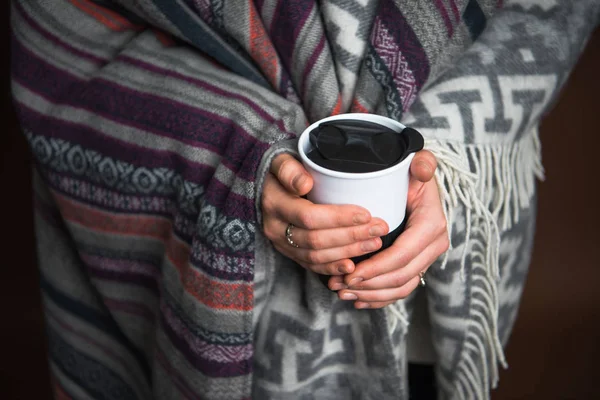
(336, 283)
(381, 295)
(326, 256)
(413, 241)
(333, 269)
(305, 214)
(423, 229)
(338, 267)
(402, 276)
(319, 239)
(361, 305)
(423, 166)
(291, 174)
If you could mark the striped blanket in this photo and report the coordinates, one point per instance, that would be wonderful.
(153, 123)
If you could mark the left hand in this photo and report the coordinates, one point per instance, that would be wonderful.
(393, 273)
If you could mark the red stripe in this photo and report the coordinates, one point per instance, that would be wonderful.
(164, 38)
(261, 48)
(454, 10)
(107, 17)
(120, 224)
(54, 39)
(445, 16)
(311, 63)
(357, 107)
(213, 293)
(338, 106)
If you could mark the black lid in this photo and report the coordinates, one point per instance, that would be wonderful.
(359, 146)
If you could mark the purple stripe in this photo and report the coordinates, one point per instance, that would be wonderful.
(218, 352)
(152, 113)
(174, 375)
(183, 224)
(236, 268)
(311, 62)
(288, 20)
(455, 11)
(444, 13)
(128, 307)
(54, 39)
(229, 203)
(146, 112)
(205, 85)
(69, 328)
(204, 253)
(207, 367)
(406, 40)
(108, 200)
(126, 271)
(123, 277)
(118, 150)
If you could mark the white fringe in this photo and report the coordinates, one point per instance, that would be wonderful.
(493, 183)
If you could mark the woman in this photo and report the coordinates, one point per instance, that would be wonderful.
(163, 134)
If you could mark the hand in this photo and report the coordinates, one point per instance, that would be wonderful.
(327, 235)
(393, 273)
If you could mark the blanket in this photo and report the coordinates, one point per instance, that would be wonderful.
(153, 123)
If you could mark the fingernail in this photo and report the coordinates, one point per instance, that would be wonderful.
(355, 281)
(362, 305)
(298, 181)
(338, 286)
(376, 230)
(349, 296)
(361, 218)
(369, 245)
(342, 269)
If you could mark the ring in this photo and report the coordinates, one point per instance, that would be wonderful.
(422, 277)
(288, 235)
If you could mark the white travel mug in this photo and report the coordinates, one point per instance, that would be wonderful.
(383, 192)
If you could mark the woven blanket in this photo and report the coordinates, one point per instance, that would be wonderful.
(153, 123)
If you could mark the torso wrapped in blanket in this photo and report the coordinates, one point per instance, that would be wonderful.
(153, 123)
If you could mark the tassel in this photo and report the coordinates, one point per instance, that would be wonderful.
(492, 183)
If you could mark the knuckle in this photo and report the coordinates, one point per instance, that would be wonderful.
(444, 244)
(313, 257)
(305, 218)
(286, 170)
(379, 305)
(356, 234)
(404, 292)
(268, 205)
(269, 231)
(402, 258)
(399, 281)
(332, 269)
(442, 226)
(314, 240)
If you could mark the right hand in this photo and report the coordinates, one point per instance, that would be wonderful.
(327, 235)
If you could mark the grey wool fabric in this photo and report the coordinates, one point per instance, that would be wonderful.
(153, 124)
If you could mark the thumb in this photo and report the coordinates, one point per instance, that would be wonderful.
(423, 166)
(291, 174)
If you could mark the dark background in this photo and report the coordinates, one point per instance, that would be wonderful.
(554, 351)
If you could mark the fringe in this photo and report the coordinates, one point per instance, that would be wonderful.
(492, 183)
